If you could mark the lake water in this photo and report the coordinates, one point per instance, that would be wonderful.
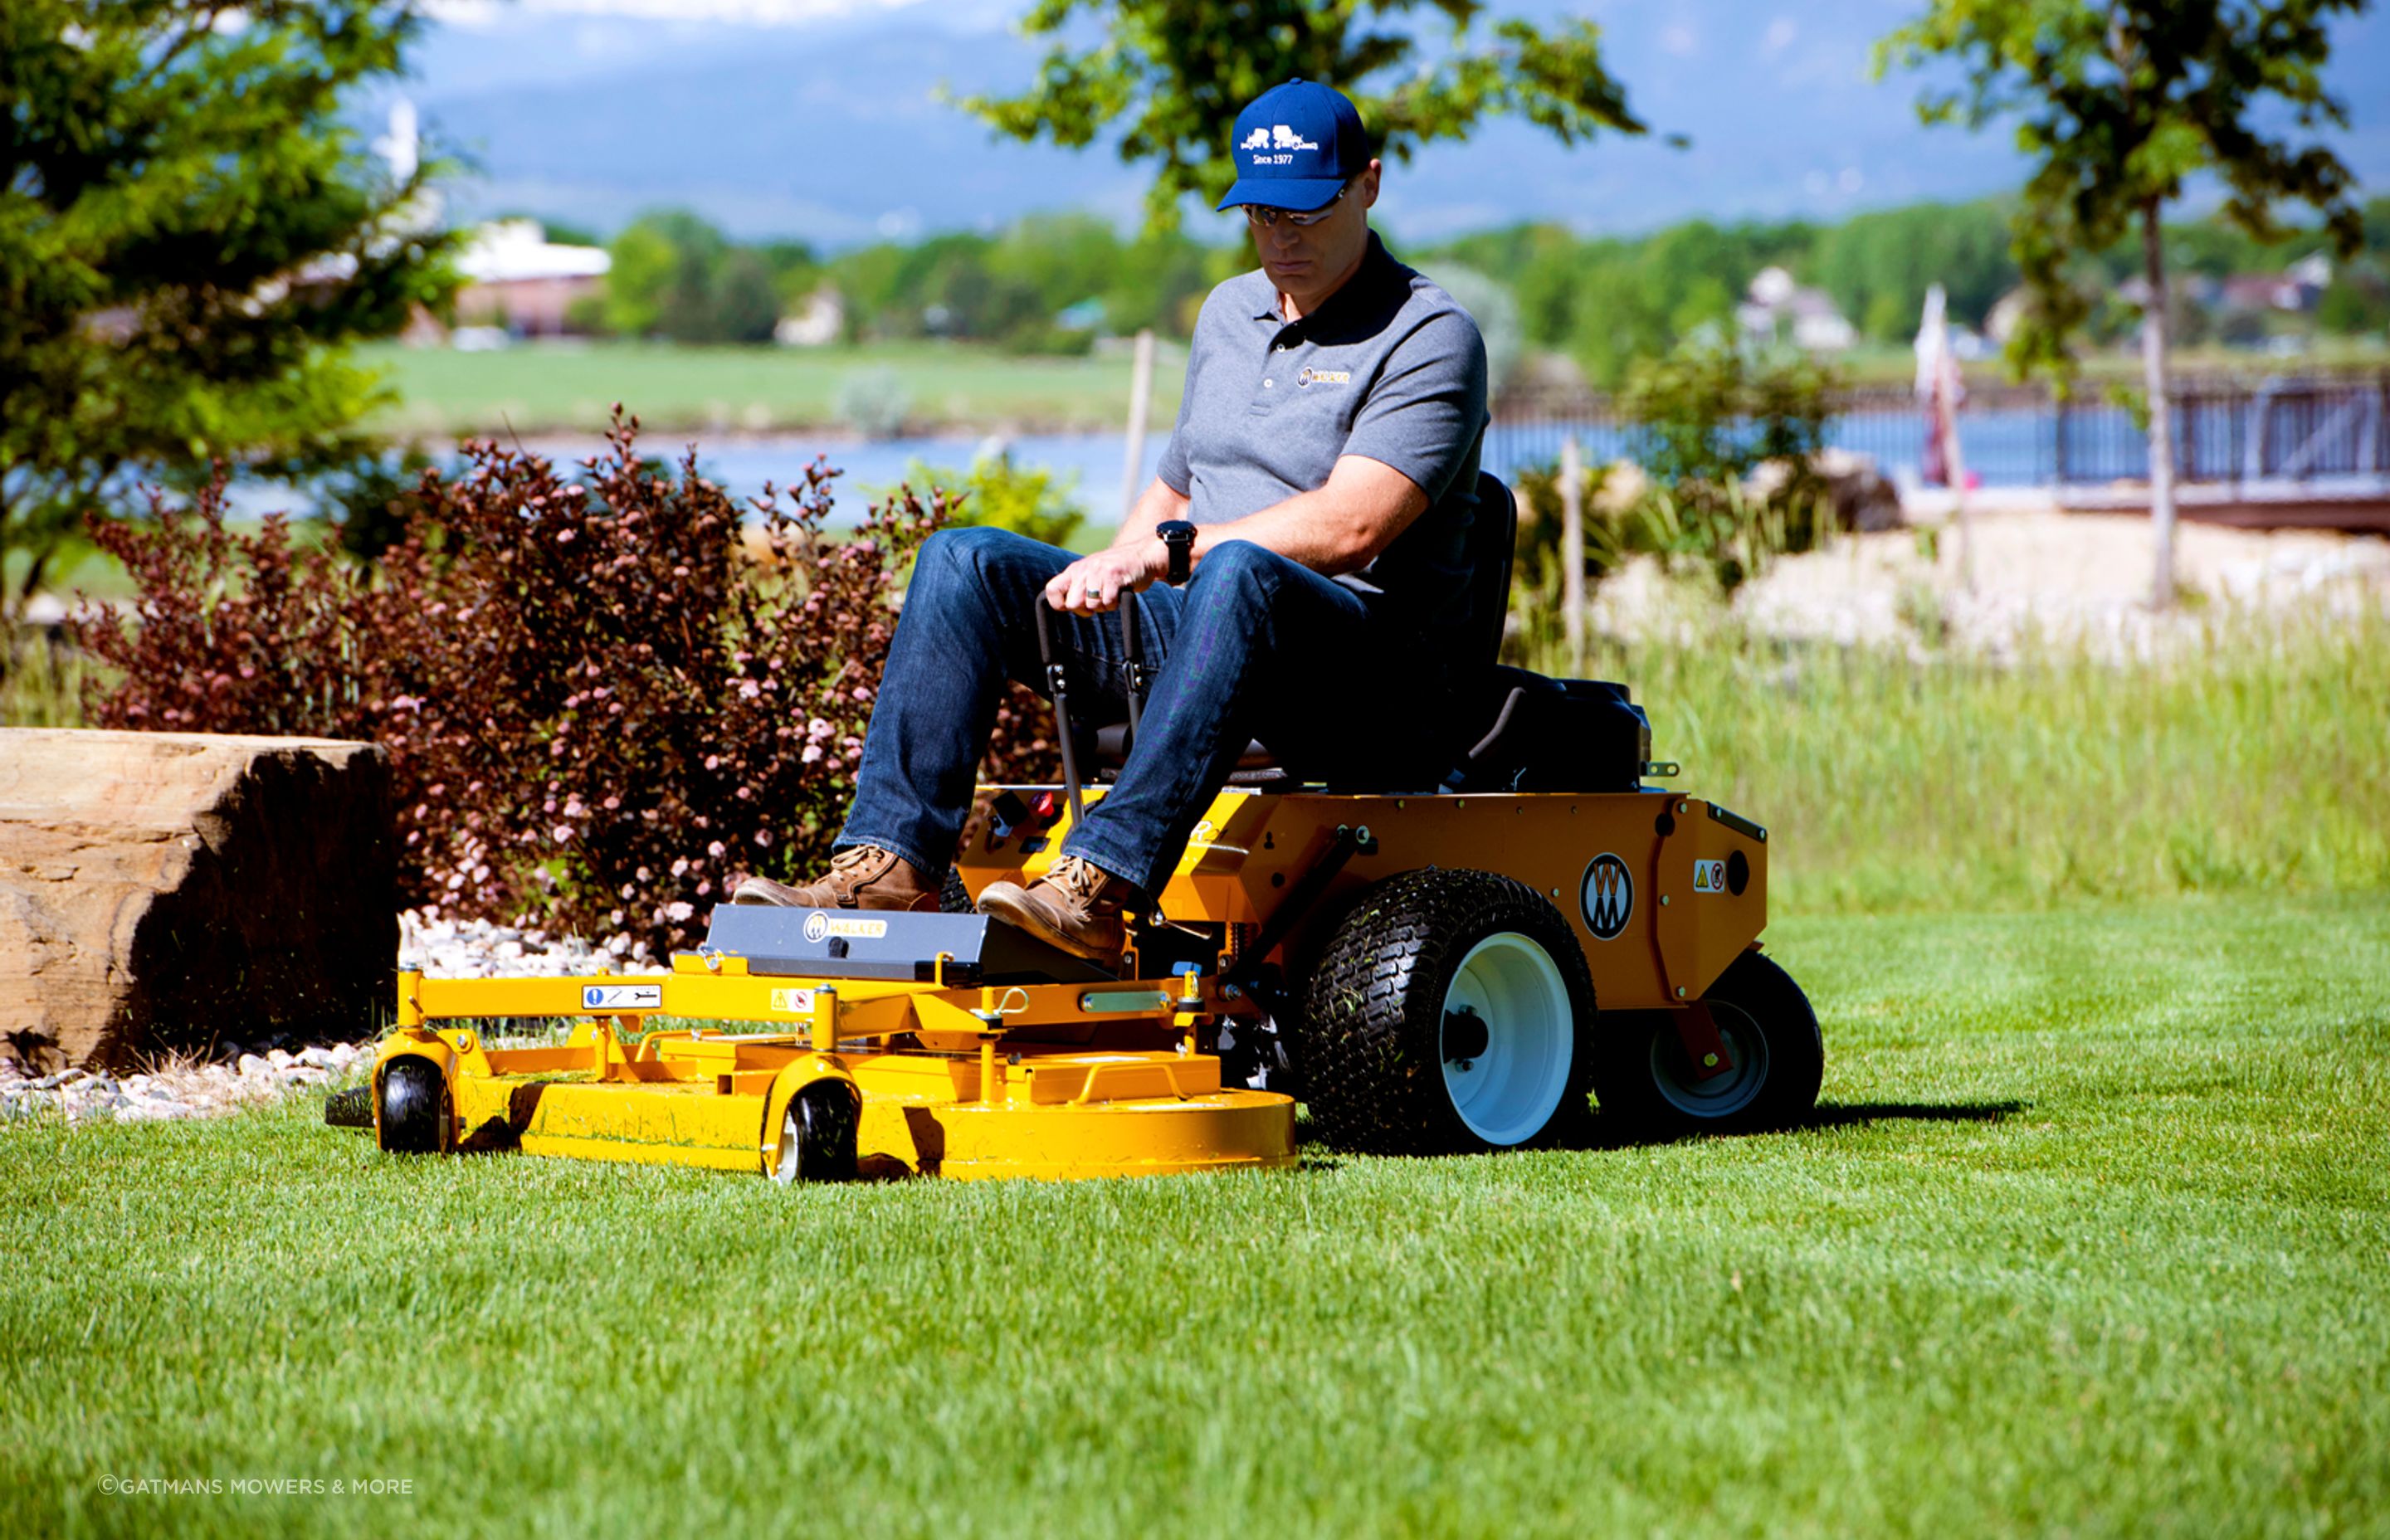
(2008, 447)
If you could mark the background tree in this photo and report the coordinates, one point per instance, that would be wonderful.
(189, 233)
(2120, 103)
(1181, 70)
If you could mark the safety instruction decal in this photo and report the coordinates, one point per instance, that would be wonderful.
(1709, 877)
(621, 996)
(793, 1002)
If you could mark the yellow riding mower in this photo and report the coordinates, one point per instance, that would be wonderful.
(1462, 967)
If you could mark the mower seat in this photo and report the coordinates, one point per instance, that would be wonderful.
(1509, 729)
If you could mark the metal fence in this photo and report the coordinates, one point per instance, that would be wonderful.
(2298, 430)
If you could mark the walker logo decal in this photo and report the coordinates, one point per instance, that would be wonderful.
(1709, 877)
(793, 1002)
(621, 996)
(1324, 376)
(1607, 896)
(1280, 137)
(819, 927)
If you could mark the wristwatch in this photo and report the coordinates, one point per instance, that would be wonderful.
(1179, 536)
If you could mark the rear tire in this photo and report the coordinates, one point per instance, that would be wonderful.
(1645, 1081)
(817, 1136)
(414, 1113)
(1450, 1010)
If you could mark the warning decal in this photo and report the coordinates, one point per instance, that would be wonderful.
(1709, 877)
(794, 1001)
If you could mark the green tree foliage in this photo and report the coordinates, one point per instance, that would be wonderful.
(1879, 266)
(1008, 287)
(1178, 70)
(189, 233)
(2117, 106)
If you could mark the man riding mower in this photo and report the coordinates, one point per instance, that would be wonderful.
(1338, 844)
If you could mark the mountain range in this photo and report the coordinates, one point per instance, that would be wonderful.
(821, 120)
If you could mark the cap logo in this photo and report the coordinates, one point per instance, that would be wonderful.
(1277, 137)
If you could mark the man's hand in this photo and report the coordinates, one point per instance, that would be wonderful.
(1094, 583)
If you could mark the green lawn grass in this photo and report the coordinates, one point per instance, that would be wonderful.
(2089, 1239)
(540, 387)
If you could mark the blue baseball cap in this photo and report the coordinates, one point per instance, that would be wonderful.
(1296, 146)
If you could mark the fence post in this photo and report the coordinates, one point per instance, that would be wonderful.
(1140, 402)
(1573, 554)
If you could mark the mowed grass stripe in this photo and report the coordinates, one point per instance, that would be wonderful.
(2091, 1237)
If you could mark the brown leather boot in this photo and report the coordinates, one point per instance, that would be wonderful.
(1076, 905)
(862, 877)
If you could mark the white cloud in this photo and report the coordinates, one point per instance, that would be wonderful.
(1781, 33)
(751, 13)
(1679, 39)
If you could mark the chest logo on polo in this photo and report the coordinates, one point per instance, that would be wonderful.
(1324, 376)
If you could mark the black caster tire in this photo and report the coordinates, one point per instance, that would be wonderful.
(817, 1136)
(1645, 1082)
(413, 1108)
(1449, 1011)
(349, 1108)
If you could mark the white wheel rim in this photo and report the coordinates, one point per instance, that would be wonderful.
(1720, 1095)
(784, 1166)
(1507, 1093)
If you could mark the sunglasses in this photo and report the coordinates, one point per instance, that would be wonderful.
(1261, 216)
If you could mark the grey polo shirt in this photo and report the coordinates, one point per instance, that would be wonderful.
(1390, 368)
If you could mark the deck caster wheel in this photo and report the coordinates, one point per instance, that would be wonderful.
(1449, 1011)
(1645, 1080)
(349, 1108)
(817, 1136)
(413, 1108)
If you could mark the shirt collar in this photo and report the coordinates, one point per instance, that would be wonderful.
(1377, 266)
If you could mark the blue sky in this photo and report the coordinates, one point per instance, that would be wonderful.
(815, 119)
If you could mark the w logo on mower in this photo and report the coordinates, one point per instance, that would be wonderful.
(1607, 896)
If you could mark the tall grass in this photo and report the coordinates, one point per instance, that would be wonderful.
(2255, 752)
(42, 685)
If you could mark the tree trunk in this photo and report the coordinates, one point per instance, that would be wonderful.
(2154, 370)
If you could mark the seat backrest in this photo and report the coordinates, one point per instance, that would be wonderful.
(1492, 538)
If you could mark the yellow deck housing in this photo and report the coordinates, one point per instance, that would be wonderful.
(967, 1097)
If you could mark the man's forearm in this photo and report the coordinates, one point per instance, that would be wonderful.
(1156, 505)
(1333, 529)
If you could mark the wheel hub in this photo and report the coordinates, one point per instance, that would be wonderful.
(1508, 1038)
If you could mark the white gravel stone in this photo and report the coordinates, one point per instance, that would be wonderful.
(250, 1073)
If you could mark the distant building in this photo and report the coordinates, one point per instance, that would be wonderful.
(515, 279)
(818, 323)
(1775, 305)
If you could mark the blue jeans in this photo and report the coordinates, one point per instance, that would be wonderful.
(1255, 646)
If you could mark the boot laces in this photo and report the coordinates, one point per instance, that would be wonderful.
(1080, 879)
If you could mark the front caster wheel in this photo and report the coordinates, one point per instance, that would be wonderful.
(1645, 1080)
(413, 1108)
(818, 1134)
